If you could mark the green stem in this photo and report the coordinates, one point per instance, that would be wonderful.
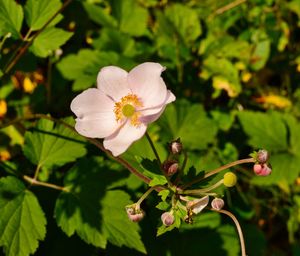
(34, 182)
(203, 190)
(238, 227)
(144, 196)
(181, 170)
(36, 173)
(8, 35)
(219, 169)
(153, 148)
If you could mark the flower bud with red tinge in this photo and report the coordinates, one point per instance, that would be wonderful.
(167, 218)
(262, 169)
(262, 156)
(170, 167)
(135, 215)
(217, 204)
(175, 147)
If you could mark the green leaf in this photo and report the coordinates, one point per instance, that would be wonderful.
(190, 123)
(99, 15)
(158, 180)
(132, 18)
(93, 213)
(38, 12)
(185, 21)
(84, 66)
(11, 18)
(49, 40)
(47, 145)
(116, 226)
(22, 222)
(265, 130)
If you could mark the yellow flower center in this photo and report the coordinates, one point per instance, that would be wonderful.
(127, 108)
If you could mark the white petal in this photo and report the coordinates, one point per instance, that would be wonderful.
(146, 82)
(198, 205)
(113, 82)
(119, 142)
(152, 114)
(95, 116)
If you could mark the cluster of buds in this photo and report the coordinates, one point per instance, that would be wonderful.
(261, 166)
(134, 212)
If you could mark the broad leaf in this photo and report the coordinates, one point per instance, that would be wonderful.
(22, 222)
(11, 18)
(265, 130)
(93, 213)
(38, 12)
(84, 67)
(190, 123)
(131, 16)
(49, 40)
(50, 145)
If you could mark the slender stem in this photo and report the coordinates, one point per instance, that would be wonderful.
(229, 6)
(219, 169)
(22, 51)
(36, 173)
(34, 182)
(144, 196)
(97, 143)
(181, 170)
(238, 227)
(153, 148)
(8, 35)
(202, 190)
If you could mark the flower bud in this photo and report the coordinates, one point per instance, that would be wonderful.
(217, 204)
(262, 156)
(229, 179)
(262, 169)
(170, 167)
(167, 218)
(134, 213)
(175, 147)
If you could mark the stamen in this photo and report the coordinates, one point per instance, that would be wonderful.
(126, 108)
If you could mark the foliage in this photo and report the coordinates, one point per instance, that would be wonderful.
(234, 68)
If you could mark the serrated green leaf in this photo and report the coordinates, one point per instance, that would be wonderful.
(118, 229)
(158, 180)
(47, 145)
(265, 130)
(84, 66)
(164, 206)
(99, 15)
(131, 16)
(22, 222)
(190, 123)
(49, 40)
(38, 12)
(164, 194)
(93, 213)
(11, 18)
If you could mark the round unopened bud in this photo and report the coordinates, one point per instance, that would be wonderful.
(217, 204)
(170, 167)
(262, 169)
(135, 214)
(167, 218)
(175, 147)
(262, 156)
(229, 179)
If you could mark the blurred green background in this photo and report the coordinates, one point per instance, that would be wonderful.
(234, 67)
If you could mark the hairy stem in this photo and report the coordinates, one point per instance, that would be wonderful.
(144, 196)
(203, 190)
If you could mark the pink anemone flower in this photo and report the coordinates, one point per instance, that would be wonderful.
(122, 105)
